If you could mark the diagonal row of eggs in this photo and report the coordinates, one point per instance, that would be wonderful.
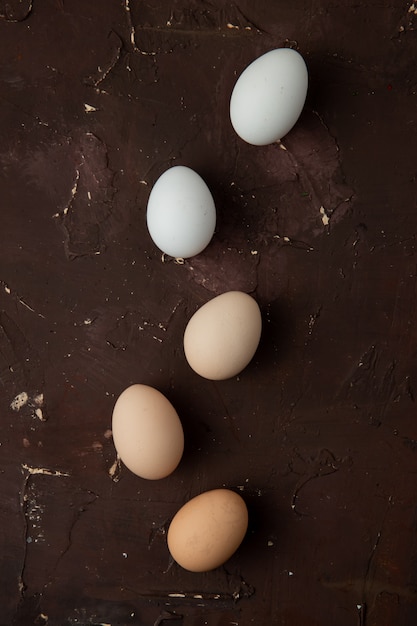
(220, 340)
(222, 337)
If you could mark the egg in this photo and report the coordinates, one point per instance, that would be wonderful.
(147, 432)
(181, 214)
(207, 530)
(269, 96)
(222, 336)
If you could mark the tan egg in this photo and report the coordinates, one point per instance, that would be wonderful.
(207, 530)
(222, 336)
(147, 432)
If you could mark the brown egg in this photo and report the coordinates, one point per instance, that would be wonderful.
(147, 432)
(222, 336)
(207, 530)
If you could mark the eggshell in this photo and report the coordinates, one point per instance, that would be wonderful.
(181, 215)
(222, 336)
(269, 96)
(147, 432)
(207, 530)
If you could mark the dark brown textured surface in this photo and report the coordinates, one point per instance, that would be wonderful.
(319, 433)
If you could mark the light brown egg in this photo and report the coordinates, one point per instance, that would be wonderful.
(222, 336)
(147, 432)
(207, 530)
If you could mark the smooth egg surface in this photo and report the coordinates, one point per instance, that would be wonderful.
(181, 215)
(147, 432)
(269, 96)
(207, 530)
(222, 336)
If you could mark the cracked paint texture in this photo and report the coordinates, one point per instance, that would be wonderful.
(318, 433)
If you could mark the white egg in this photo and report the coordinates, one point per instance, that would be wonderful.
(181, 215)
(269, 96)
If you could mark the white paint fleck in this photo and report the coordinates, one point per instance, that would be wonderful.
(38, 399)
(270, 543)
(176, 595)
(254, 252)
(324, 217)
(89, 108)
(7, 289)
(39, 414)
(114, 471)
(19, 401)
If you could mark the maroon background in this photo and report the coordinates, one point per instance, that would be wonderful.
(319, 433)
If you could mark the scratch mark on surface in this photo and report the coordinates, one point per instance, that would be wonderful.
(230, 418)
(73, 193)
(313, 319)
(76, 517)
(368, 576)
(31, 512)
(300, 245)
(132, 30)
(18, 298)
(44, 471)
(158, 531)
(324, 464)
(115, 470)
(373, 382)
(166, 616)
(19, 363)
(352, 585)
(102, 74)
(312, 156)
(86, 215)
